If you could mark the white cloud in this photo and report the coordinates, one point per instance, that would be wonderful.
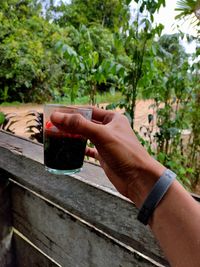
(166, 16)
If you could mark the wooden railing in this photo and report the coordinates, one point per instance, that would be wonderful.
(72, 221)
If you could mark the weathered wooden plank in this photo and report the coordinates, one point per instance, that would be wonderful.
(67, 239)
(95, 202)
(28, 256)
(34, 151)
(117, 217)
(21, 146)
(6, 252)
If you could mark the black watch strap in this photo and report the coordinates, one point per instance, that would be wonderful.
(155, 196)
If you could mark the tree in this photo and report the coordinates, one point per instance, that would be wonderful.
(188, 8)
(137, 42)
(173, 89)
(112, 14)
(90, 62)
(30, 70)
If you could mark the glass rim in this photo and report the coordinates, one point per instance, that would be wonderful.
(69, 106)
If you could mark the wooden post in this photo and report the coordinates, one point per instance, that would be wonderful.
(6, 255)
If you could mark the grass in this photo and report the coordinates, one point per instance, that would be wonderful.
(8, 104)
(108, 97)
(105, 97)
(100, 98)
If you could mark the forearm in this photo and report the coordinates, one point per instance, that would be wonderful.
(176, 225)
(175, 221)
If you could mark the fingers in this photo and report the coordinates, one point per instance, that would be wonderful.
(101, 115)
(91, 152)
(76, 123)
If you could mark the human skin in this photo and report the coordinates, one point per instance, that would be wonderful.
(175, 221)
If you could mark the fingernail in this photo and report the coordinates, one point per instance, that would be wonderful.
(57, 117)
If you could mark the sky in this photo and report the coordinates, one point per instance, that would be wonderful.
(166, 16)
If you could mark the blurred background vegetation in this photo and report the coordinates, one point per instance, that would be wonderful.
(92, 51)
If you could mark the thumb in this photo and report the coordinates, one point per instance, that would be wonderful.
(76, 123)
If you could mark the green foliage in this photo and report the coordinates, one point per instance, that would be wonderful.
(150, 6)
(174, 87)
(2, 118)
(111, 14)
(29, 68)
(138, 52)
(90, 62)
(194, 118)
(187, 8)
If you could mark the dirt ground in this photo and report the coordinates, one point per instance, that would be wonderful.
(142, 111)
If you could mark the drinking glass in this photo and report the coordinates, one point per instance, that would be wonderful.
(63, 152)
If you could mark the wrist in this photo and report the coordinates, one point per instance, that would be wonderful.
(155, 196)
(143, 182)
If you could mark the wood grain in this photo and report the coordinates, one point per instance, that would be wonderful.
(68, 239)
(28, 256)
(6, 252)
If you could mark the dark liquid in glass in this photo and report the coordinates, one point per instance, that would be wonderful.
(62, 151)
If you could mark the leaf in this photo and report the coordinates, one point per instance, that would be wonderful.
(66, 49)
(95, 56)
(152, 17)
(153, 47)
(2, 118)
(111, 106)
(129, 1)
(112, 90)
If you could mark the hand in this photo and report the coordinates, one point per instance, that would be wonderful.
(133, 172)
(124, 160)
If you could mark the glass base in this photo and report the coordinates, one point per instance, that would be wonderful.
(62, 172)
